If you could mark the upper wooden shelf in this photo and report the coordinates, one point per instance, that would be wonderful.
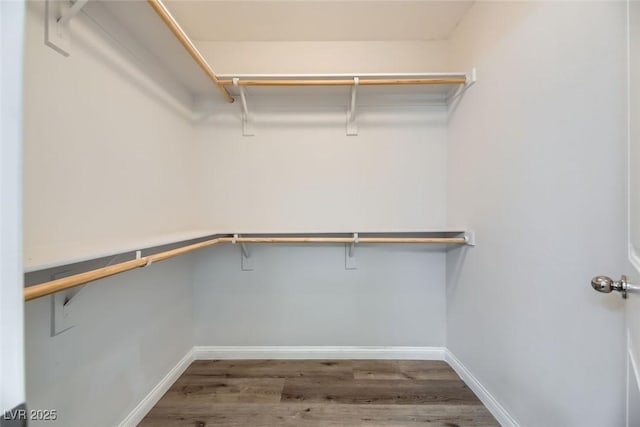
(47, 257)
(157, 41)
(412, 88)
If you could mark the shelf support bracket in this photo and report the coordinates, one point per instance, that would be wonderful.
(470, 238)
(350, 254)
(58, 16)
(72, 11)
(246, 262)
(472, 77)
(62, 317)
(139, 255)
(247, 123)
(352, 125)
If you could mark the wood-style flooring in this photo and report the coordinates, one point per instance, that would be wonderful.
(319, 393)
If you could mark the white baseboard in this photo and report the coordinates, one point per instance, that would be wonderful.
(320, 352)
(149, 401)
(496, 409)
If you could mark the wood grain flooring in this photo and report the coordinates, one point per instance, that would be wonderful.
(312, 393)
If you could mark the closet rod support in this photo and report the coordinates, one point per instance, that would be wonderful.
(245, 250)
(352, 247)
(350, 253)
(470, 80)
(247, 123)
(149, 259)
(352, 126)
(470, 238)
(246, 262)
(243, 246)
(58, 15)
(70, 13)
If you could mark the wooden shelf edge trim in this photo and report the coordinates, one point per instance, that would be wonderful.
(47, 288)
(182, 37)
(53, 286)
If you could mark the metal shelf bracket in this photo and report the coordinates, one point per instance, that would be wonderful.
(352, 125)
(350, 254)
(246, 262)
(247, 122)
(472, 77)
(470, 238)
(58, 16)
(62, 313)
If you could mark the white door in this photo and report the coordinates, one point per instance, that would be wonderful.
(631, 290)
(11, 301)
(632, 305)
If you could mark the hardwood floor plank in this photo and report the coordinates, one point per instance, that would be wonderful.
(403, 370)
(399, 392)
(272, 368)
(222, 390)
(316, 415)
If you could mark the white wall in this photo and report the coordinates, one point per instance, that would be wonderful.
(107, 160)
(300, 172)
(536, 166)
(11, 316)
(130, 331)
(302, 295)
(325, 57)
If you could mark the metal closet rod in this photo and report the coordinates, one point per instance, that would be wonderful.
(53, 286)
(182, 37)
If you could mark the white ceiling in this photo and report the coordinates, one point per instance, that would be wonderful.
(317, 20)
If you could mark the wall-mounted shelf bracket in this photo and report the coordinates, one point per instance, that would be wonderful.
(470, 238)
(471, 79)
(247, 122)
(139, 255)
(58, 16)
(62, 318)
(352, 125)
(350, 253)
(246, 261)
